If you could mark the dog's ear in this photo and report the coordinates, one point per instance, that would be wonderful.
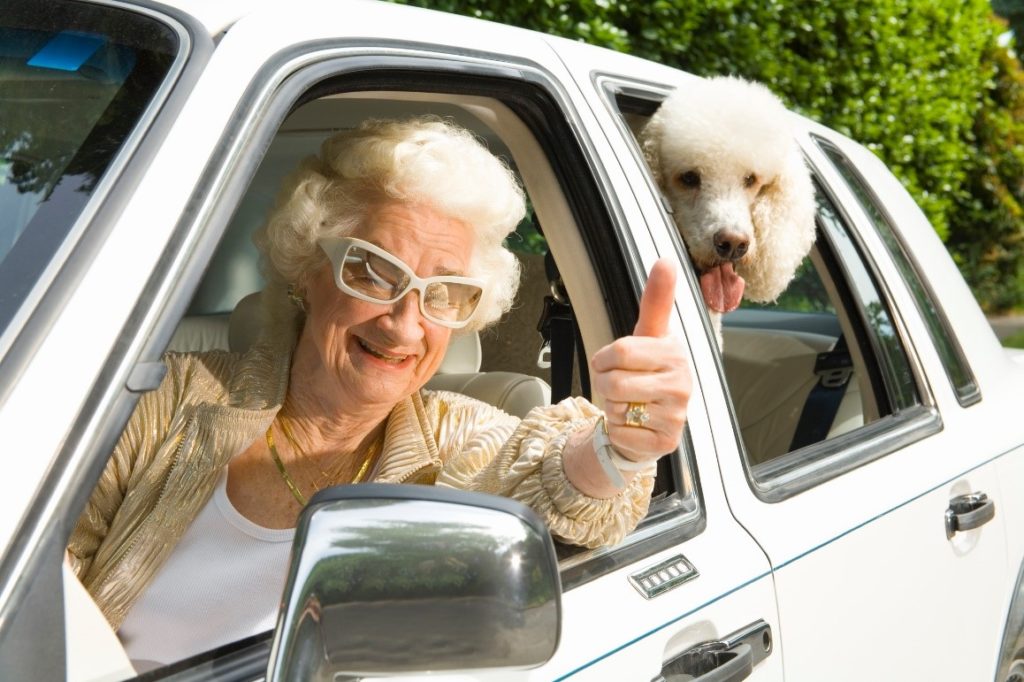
(783, 218)
(650, 145)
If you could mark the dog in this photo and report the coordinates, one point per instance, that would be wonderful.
(724, 155)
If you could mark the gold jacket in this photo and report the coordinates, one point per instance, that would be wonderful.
(213, 405)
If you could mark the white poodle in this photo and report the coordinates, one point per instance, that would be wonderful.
(724, 155)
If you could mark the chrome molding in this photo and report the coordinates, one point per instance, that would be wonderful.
(795, 472)
(663, 576)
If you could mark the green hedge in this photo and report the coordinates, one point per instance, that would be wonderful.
(987, 229)
(915, 81)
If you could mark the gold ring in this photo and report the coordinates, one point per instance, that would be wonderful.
(637, 415)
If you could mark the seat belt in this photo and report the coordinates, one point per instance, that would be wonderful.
(562, 343)
(834, 369)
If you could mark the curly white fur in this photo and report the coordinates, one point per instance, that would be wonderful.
(724, 155)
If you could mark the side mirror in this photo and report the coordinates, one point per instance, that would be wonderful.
(391, 579)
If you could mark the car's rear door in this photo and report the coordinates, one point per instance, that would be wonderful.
(870, 586)
(887, 538)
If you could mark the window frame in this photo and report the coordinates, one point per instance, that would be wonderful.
(282, 83)
(803, 469)
(38, 543)
(800, 470)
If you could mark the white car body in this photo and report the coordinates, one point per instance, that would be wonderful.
(842, 555)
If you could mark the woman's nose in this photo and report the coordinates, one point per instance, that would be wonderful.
(404, 319)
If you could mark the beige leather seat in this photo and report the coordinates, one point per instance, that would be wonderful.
(770, 375)
(512, 392)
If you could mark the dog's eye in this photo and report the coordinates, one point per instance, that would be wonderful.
(749, 180)
(689, 179)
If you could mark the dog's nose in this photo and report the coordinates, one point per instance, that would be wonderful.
(730, 245)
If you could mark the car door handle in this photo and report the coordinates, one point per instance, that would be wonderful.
(727, 660)
(967, 512)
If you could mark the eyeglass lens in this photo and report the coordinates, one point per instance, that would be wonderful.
(387, 281)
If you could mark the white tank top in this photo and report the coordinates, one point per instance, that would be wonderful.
(222, 582)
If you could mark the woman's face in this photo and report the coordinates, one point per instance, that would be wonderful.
(381, 353)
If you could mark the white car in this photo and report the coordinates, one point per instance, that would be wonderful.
(141, 144)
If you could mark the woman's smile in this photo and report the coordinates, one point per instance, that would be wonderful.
(389, 359)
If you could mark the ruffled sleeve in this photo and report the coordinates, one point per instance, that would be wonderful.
(485, 450)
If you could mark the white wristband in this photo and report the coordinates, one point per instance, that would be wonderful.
(611, 461)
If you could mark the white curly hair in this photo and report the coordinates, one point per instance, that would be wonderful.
(423, 159)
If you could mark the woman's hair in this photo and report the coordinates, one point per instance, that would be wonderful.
(422, 160)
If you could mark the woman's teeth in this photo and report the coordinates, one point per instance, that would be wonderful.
(379, 354)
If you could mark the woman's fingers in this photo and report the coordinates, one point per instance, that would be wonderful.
(639, 353)
(647, 372)
(635, 386)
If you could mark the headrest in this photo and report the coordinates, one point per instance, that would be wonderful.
(464, 355)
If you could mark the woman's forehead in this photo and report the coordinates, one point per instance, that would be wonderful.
(425, 239)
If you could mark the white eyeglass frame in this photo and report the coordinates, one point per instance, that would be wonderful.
(336, 247)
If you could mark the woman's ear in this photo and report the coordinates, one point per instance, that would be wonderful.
(783, 218)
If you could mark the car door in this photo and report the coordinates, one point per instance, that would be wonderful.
(689, 575)
(868, 577)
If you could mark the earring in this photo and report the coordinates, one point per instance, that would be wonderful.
(296, 298)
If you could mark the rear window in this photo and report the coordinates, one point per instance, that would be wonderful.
(75, 80)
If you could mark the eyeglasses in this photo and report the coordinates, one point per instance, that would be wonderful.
(371, 274)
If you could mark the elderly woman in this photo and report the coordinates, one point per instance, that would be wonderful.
(377, 252)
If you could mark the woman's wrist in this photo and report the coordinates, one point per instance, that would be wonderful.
(583, 467)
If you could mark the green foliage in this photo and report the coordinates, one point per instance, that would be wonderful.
(987, 237)
(881, 71)
(915, 81)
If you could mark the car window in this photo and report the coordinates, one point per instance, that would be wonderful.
(954, 362)
(822, 361)
(821, 371)
(75, 80)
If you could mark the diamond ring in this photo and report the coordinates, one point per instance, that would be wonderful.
(637, 415)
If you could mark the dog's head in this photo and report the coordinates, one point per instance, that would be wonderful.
(723, 154)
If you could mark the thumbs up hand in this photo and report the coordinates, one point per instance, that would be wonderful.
(645, 378)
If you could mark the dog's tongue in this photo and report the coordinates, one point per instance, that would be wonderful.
(722, 288)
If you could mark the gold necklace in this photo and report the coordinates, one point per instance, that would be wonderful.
(296, 493)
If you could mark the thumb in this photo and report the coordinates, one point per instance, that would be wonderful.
(656, 302)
